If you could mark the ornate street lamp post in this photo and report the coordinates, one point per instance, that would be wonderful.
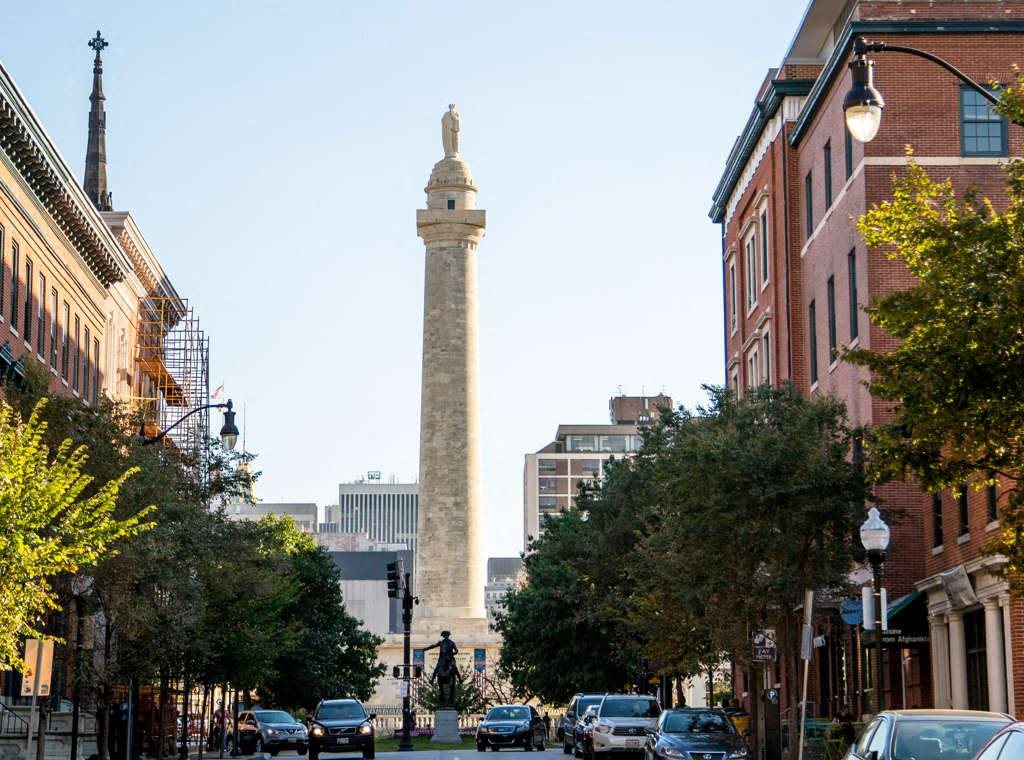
(228, 433)
(874, 535)
(863, 104)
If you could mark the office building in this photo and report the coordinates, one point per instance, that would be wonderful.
(385, 513)
(503, 573)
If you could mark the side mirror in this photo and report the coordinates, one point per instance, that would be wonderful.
(373, 716)
(872, 755)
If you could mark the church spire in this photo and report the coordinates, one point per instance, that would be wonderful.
(96, 153)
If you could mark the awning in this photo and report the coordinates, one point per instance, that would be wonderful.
(852, 610)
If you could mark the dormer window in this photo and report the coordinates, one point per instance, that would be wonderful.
(451, 204)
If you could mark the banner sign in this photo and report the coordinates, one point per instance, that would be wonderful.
(480, 660)
(764, 645)
(38, 655)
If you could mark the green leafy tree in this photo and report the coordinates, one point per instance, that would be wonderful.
(53, 520)
(953, 373)
(466, 699)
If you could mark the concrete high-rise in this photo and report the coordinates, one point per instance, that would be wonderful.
(384, 512)
(449, 568)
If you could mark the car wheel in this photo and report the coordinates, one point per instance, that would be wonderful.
(273, 752)
(494, 748)
(369, 753)
(300, 749)
(257, 748)
(481, 747)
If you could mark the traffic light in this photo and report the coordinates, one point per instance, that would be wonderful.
(417, 671)
(394, 580)
(396, 671)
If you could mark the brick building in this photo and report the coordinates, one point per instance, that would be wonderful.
(796, 276)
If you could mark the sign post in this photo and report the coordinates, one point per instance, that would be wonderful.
(36, 679)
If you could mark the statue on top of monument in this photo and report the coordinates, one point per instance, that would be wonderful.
(446, 671)
(450, 132)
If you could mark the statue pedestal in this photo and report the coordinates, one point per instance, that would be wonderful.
(446, 727)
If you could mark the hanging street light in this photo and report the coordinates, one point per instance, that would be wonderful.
(228, 432)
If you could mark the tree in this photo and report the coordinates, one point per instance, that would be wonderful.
(467, 699)
(953, 375)
(49, 524)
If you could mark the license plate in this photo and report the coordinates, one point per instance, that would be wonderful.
(633, 743)
(343, 740)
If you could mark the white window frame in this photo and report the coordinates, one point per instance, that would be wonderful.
(765, 252)
(750, 254)
(753, 368)
(732, 296)
(766, 351)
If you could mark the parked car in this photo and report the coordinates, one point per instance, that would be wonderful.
(695, 733)
(622, 724)
(1008, 744)
(511, 726)
(341, 725)
(926, 734)
(566, 730)
(582, 730)
(270, 731)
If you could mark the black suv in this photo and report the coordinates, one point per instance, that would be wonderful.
(341, 725)
(566, 730)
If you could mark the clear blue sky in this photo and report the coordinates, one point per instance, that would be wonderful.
(274, 155)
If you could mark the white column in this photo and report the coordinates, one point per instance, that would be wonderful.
(940, 661)
(1011, 702)
(957, 661)
(994, 654)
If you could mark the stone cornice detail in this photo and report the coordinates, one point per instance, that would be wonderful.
(45, 172)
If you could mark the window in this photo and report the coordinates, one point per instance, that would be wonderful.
(813, 333)
(547, 484)
(76, 356)
(982, 129)
(965, 525)
(734, 383)
(15, 265)
(809, 203)
(41, 318)
(752, 369)
(830, 289)
(86, 365)
(732, 296)
(764, 247)
(848, 149)
(936, 519)
(766, 349)
(993, 502)
(547, 465)
(54, 304)
(851, 267)
(751, 272)
(95, 370)
(977, 664)
(28, 316)
(64, 342)
(879, 740)
(828, 174)
(451, 204)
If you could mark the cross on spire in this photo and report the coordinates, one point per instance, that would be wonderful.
(97, 43)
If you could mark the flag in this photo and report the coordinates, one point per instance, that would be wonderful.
(218, 394)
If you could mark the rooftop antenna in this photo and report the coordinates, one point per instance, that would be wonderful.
(620, 390)
(643, 391)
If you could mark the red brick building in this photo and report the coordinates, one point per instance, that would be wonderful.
(796, 276)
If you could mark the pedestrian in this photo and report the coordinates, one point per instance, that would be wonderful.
(547, 726)
(846, 731)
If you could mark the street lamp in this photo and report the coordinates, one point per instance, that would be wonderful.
(863, 104)
(874, 535)
(228, 432)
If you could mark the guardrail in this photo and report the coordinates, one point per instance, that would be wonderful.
(12, 724)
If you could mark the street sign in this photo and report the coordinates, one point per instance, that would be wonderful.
(35, 680)
(900, 639)
(764, 645)
(403, 689)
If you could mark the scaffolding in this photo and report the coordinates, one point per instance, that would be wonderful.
(174, 359)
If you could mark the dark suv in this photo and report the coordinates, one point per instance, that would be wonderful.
(341, 725)
(566, 730)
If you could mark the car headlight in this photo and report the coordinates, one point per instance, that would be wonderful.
(603, 729)
(740, 752)
(673, 752)
(271, 732)
(317, 731)
(366, 729)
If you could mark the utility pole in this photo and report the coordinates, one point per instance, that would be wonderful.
(398, 588)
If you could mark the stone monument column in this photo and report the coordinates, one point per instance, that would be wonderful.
(449, 577)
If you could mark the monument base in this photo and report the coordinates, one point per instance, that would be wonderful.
(446, 727)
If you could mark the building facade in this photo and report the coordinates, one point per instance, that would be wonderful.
(303, 514)
(552, 476)
(386, 513)
(503, 574)
(796, 276)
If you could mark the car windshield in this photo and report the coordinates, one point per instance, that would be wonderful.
(509, 713)
(630, 707)
(274, 716)
(340, 711)
(586, 702)
(697, 722)
(940, 739)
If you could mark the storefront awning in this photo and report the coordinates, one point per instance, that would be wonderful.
(852, 611)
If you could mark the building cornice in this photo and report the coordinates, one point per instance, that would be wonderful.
(44, 170)
(836, 64)
(764, 110)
